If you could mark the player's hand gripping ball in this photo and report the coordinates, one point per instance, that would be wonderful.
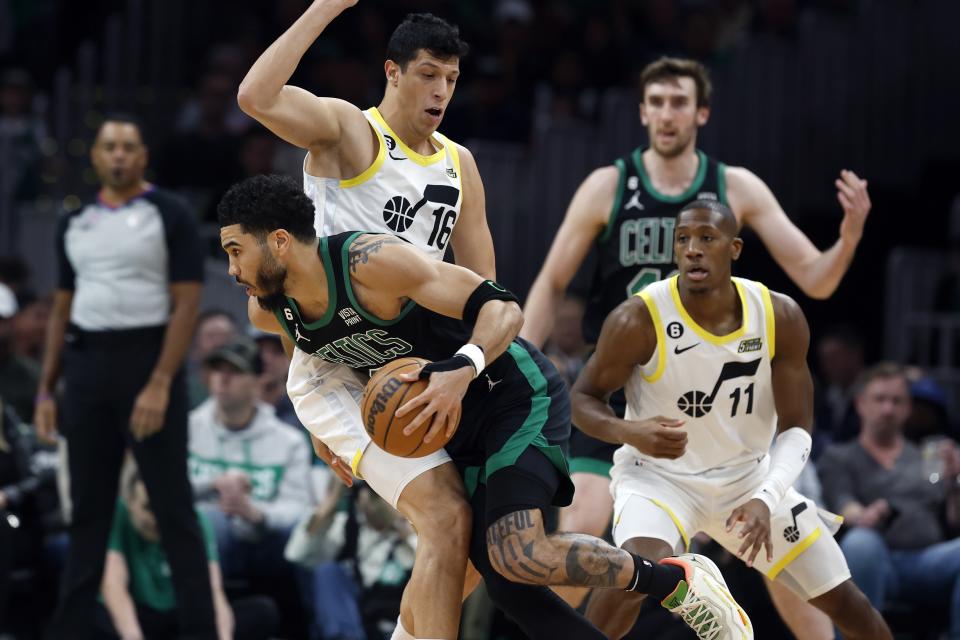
(383, 395)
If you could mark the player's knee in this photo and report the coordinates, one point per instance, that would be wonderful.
(845, 602)
(447, 525)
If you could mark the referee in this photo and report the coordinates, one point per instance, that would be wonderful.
(130, 271)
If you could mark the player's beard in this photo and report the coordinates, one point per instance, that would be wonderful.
(683, 140)
(271, 277)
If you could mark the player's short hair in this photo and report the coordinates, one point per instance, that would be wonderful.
(668, 69)
(425, 31)
(881, 371)
(263, 204)
(730, 219)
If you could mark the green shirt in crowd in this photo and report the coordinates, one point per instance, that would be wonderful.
(151, 583)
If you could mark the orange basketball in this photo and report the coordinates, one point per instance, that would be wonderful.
(384, 394)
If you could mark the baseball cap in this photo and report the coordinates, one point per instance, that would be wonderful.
(240, 353)
(928, 390)
(8, 302)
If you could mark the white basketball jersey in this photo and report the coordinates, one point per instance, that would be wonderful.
(413, 196)
(720, 385)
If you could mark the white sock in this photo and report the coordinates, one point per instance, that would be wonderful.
(399, 633)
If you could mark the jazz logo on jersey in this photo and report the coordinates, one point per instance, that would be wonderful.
(697, 404)
(753, 344)
(398, 213)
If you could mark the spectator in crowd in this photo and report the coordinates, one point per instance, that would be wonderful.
(361, 558)
(215, 328)
(273, 379)
(840, 356)
(30, 327)
(250, 472)
(18, 375)
(130, 270)
(929, 414)
(28, 511)
(902, 544)
(137, 591)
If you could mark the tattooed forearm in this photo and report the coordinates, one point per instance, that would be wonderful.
(361, 250)
(521, 551)
(592, 563)
(511, 546)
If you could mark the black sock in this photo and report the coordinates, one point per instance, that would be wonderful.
(657, 580)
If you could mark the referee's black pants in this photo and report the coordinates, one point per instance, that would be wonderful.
(103, 374)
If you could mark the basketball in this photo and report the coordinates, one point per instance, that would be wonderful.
(383, 395)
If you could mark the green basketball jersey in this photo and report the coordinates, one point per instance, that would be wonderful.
(636, 247)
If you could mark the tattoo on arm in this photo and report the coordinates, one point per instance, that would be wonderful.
(519, 550)
(360, 252)
(510, 540)
(590, 564)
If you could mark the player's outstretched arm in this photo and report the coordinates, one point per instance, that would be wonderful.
(294, 114)
(472, 242)
(628, 338)
(817, 273)
(584, 221)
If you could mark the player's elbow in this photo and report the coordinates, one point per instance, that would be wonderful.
(513, 317)
(251, 101)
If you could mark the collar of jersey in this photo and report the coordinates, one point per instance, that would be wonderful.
(419, 158)
(331, 291)
(686, 195)
(700, 331)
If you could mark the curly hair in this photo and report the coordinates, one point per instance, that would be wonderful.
(425, 31)
(262, 204)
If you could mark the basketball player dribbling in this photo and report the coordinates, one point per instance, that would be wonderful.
(367, 299)
(713, 368)
(628, 209)
(384, 169)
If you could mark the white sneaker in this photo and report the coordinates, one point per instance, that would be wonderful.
(703, 601)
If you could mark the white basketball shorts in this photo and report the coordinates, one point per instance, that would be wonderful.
(650, 502)
(326, 397)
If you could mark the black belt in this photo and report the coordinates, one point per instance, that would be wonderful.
(81, 338)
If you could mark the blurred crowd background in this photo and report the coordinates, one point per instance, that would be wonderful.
(803, 89)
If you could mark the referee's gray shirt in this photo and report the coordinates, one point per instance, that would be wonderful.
(119, 262)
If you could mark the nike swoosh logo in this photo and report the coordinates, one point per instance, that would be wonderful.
(677, 350)
(393, 157)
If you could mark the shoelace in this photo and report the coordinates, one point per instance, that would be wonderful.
(699, 617)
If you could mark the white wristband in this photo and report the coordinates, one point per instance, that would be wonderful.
(474, 354)
(789, 454)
